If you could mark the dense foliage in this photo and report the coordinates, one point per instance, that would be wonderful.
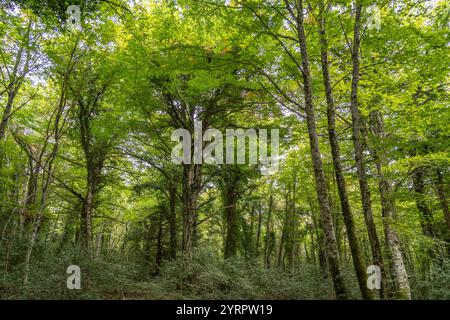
(87, 178)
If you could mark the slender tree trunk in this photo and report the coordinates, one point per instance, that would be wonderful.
(284, 233)
(232, 226)
(173, 220)
(99, 242)
(321, 186)
(251, 234)
(426, 217)
(358, 262)
(267, 245)
(291, 235)
(36, 226)
(398, 270)
(159, 244)
(295, 237)
(316, 227)
(442, 197)
(356, 124)
(313, 255)
(258, 233)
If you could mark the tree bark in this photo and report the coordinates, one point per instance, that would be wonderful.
(191, 191)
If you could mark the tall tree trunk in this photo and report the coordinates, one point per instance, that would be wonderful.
(267, 245)
(232, 226)
(191, 191)
(36, 226)
(356, 124)
(291, 235)
(316, 227)
(251, 234)
(284, 233)
(426, 217)
(94, 166)
(295, 238)
(173, 220)
(95, 151)
(258, 232)
(442, 197)
(321, 186)
(358, 262)
(398, 270)
(86, 218)
(159, 244)
(30, 200)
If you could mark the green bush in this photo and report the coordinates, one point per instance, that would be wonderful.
(207, 276)
(440, 280)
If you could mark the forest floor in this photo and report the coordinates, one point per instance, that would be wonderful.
(207, 277)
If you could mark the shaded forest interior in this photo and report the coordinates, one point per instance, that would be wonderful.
(89, 103)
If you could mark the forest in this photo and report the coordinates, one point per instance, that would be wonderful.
(225, 149)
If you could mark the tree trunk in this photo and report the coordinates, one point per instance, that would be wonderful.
(398, 270)
(232, 227)
(86, 218)
(426, 217)
(321, 187)
(358, 262)
(159, 245)
(267, 245)
(283, 240)
(291, 234)
(442, 197)
(191, 191)
(356, 124)
(173, 220)
(36, 226)
(258, 232)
